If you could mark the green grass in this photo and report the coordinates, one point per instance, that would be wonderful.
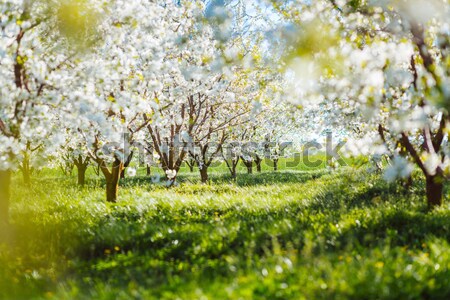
(293, 234)
(220, 168)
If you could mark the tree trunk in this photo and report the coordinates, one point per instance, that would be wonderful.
(81, 169)
(248, 164)
(249, 168)
(112, 181)
(435, 190)
(258, 167)
(191, 168)
(258, 162)
(5, 187)
(232, 167)
(149, 170)
(275, 164)
(111, 191)
(204, 174)
(233, 171)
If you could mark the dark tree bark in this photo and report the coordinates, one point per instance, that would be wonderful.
(204, 174)
(231, 165)
(250, 169)
(111, 190)
(172, 159)
(248, 164)
(81, 174)
(204, 159)
(112, 175)
(275, 164)
(435, 190)
(435, 182)
(233, 171)
(82, 165)
(149, 170)
(5, 188)
(258, 162)
(112, 180)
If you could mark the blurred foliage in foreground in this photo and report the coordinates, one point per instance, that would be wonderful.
(75, 21)
(285, 235)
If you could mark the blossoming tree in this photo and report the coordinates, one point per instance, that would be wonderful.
(33, 71)
(384, 63)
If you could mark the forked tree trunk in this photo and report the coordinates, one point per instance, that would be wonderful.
(232, 167)
(82, 165)
(5, 186)
(204, 174)
(435, 190)
(248, 164)
(275, 164)
(149, 170)
(191, 164)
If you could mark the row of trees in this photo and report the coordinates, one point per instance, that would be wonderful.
(88, 81)
(182, 79)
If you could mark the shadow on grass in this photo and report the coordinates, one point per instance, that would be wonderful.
(340, 197)
(165, 248)
(401, 228)
(170, 247)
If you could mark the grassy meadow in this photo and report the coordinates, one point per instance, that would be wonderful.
(292, 234)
